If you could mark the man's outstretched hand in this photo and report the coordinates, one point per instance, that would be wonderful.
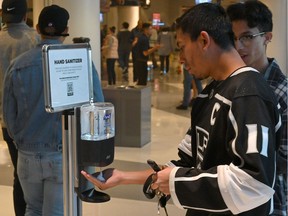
(103, 180)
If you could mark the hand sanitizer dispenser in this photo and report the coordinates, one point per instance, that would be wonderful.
(96, 138)
(95, 131)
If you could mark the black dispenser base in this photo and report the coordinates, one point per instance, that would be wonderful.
(94, 196)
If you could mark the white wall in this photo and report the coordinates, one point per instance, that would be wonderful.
(118, 15)
(278, 48)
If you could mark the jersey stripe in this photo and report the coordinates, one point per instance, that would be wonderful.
(240, 191)
(264, 150)
(252, 139)
(185, 145)
(206, 209)
(244, 69)
(195, 178)
(223, 99)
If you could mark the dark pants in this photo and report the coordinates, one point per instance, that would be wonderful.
(142, 72)
(164, 59)
(124, 58)
(134, 59)
(18, 196)
(111, 71)
(154, 60)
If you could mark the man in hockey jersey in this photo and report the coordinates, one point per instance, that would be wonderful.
(228, 166)
(252, 26)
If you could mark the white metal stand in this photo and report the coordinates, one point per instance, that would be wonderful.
(72, 204)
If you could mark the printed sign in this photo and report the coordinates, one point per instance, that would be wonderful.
(67, 76)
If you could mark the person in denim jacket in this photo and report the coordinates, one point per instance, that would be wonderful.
(16, 38)
(36, 133)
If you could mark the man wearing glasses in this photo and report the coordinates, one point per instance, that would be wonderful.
(252, 26)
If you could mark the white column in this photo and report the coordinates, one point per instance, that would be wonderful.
(117, 15)
(278, 48)
(37, 7)
(112, 17)
(128, 14)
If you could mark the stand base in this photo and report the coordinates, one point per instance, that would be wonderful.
(94, 196)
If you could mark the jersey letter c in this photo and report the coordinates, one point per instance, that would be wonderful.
(215, 109)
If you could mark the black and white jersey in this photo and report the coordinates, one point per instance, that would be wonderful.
(228, 166)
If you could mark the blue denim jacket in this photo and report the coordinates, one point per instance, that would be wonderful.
(16, 38)
(30, 126)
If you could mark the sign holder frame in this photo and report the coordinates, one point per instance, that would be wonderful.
(65, 84)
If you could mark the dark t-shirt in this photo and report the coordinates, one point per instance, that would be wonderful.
(124, 40)
(142, 45)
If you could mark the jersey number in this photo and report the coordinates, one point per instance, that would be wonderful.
(252, 139)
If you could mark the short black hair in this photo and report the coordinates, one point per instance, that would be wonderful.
(125, 25)
(254, 12)
(112, 29)
(165, 28)
(146, 25)
(207, 17)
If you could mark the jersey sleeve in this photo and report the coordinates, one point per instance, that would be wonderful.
(184, 152)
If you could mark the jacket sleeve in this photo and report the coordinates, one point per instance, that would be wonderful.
(97, 89)
(9, 102)
(282, 155)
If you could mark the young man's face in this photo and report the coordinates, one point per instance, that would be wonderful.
(148, 31)
(249, 42)
(190, 55)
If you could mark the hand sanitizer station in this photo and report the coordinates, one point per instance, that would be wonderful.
(95, 133)
(88, 127)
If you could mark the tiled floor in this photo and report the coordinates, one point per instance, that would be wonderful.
(168, 126)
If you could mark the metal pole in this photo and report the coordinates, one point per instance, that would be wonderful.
(72, 204)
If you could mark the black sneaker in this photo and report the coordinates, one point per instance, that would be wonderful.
(182, 107)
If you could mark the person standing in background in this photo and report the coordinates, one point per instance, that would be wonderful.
(189, 82)
(103, 33)
(136, 33)
(166, 41)
(36, 133)
(16, 38)
(197, 88)
(143, 52)
(252, 26)
(110, 50)
(153, 40)
(124, 49)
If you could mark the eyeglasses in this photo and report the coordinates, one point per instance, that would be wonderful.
(246, 39)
